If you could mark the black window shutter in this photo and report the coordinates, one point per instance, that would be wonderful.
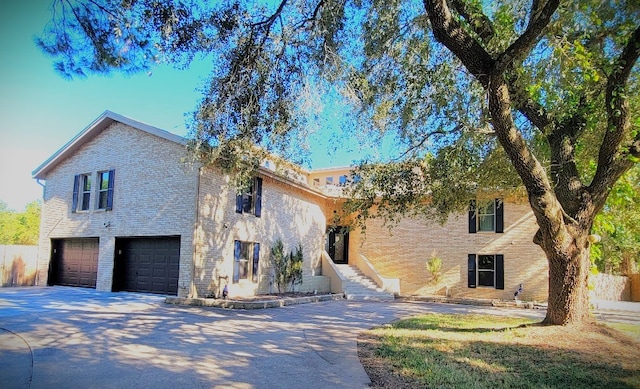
(76, 188)
(499, 215)
(499, 271)
(471, 265)
(237, 247)
(472, 216)
(258, 197)
(112, 174)
(256, 259)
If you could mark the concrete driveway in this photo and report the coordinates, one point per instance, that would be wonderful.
(80, 338)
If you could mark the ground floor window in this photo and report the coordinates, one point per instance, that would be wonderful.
(246, 257)
(486, 270)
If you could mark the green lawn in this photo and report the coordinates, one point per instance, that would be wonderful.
(470, 351)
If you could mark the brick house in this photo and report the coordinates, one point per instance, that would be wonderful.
(124, 211)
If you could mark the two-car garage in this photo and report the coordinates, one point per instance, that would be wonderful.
(141, 264)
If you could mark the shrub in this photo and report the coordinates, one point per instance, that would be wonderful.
(279, 262)
(287, 268)
(434, 265)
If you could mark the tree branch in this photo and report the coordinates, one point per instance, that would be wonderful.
(422, 141)
(105, 10)
(612, 161)
(538, 21)
(464, 46)
(269, 21)
(532, 110)
(564, 171)
(477, 20)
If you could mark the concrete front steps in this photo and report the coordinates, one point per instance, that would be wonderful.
(360, 287)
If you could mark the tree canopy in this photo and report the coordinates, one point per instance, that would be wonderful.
(478, 96)
(619, 226)
(20, 228)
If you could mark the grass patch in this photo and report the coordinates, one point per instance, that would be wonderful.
(473, 351)
(632, 330)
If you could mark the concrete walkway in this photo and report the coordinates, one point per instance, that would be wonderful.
(80, 338)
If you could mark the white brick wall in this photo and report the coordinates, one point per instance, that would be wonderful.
(154, 195)
(290, 214)
(403, 253)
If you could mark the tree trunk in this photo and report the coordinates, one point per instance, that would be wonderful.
(568, 282)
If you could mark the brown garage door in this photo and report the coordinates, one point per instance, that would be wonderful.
(149, 265)
(74, 262)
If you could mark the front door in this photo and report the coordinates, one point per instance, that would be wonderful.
(337, 244)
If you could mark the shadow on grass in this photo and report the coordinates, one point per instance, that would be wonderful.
(427, 354)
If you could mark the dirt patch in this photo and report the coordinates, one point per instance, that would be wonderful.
(594, 343)
(380, 372)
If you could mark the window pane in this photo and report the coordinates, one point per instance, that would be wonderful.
(86, 185)
(485, 223)
(486, 262)
(487, 208)
(104, 180)
(247, 203)
(485, 278)
(85, 201)
(243, 269)
(244, 251)
(102, 201)
(486, 216)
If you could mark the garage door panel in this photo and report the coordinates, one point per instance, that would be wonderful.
(159, 272)
(148, 265)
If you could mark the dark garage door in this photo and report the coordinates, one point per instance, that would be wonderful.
(74, 262)
(149, 265)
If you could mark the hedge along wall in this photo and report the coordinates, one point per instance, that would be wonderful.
(612, 288)
(18, 265)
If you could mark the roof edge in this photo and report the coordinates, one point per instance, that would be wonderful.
(95, 127)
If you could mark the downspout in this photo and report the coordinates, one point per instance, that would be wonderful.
(39, 182)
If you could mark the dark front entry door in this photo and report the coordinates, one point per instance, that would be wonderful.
(337, 244)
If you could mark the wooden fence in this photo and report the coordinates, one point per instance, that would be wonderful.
(635, 287)
(18, 265)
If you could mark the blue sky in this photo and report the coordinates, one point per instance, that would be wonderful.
(40, 111)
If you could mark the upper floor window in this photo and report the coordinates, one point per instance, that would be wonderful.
(82, 188)
(250, 199)
(329, 180)
(85, 180)
(486, 216)
(81, 192)
(343, 180)
(246, 257)
(105, 190)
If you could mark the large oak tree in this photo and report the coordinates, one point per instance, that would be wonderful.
(462, 86)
